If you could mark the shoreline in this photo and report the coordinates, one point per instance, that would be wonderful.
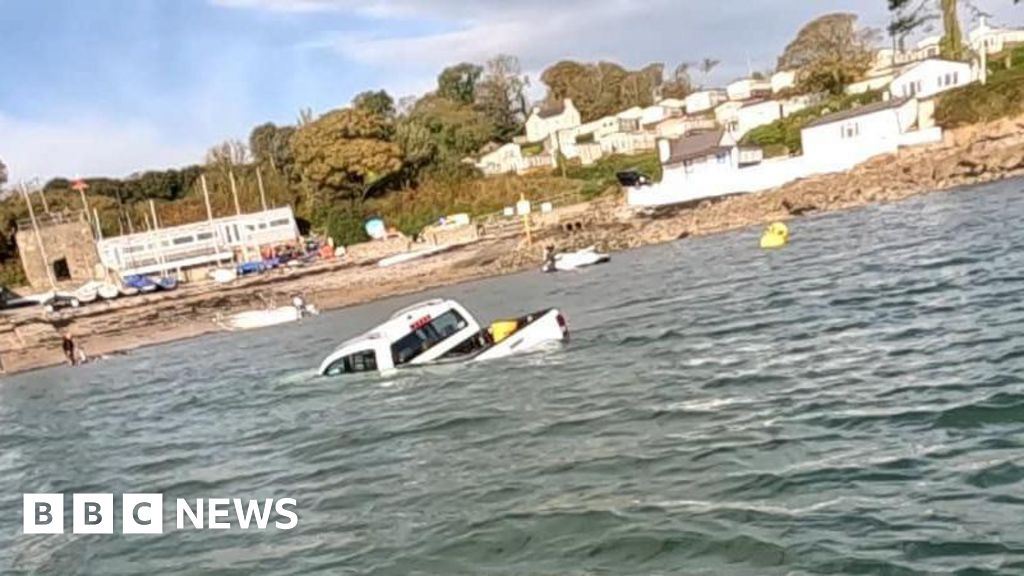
(971, 155)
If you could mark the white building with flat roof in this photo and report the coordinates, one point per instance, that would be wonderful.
(178, 248)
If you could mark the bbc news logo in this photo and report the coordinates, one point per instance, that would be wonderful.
(144, 513)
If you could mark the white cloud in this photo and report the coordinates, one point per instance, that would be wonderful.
(87, 147)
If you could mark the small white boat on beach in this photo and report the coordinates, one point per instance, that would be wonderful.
(108, 291)
(442, 332)
(86, 293)
(223, 275)
(574, 260)
(252, 319)
(90, 290)
(413, 255)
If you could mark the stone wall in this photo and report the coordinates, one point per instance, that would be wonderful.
(452, 235)
(376, 249)
(68, 241)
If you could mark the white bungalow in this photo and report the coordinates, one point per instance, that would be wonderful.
(545, 121)
(705, 100)
(678, 126)
(504, 160)
(994, 40)
(783, 80)
(674, 106)
(870, 83)
(841, 140)
(699, 158)
(509, 159)
(931, 77)
(748, 88)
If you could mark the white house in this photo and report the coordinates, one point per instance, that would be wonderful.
(783, 80)
(509, 159)
(725, 113)
(503, 160)
(678, 126)
(656, 113)
(931, 77)
(754, 114)
(870, 83)
(994, 40)
(698, 158)
(748, 88)
(626, 142)
(705, 100)
(198, 245)
(707, 166)
(545, 121)
(841, 140)
(674, 106)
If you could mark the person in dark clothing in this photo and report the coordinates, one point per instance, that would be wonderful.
(69, 349)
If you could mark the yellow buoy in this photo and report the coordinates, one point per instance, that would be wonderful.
(776, 236)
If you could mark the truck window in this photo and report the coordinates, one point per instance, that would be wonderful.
(365, 361)
(426, 337)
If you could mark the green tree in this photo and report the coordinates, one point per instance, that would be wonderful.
(600, 89)
(829, 53)
(345, 153)
(458, 83)
(501, 96)
(679, 85)
(377, 102)
(457, 130)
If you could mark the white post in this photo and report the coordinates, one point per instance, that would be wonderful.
(234, 193)
(43, 196)
(96, 220)
(39, 238)
(259, 182)
(206, 197)
(984, 64)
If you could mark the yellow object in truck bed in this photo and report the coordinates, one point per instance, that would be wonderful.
(503, 329)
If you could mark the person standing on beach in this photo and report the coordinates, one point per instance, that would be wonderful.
(69, 349)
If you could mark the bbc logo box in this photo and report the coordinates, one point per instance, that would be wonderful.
(93, 513)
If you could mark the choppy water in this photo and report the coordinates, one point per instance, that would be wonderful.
(852, 404)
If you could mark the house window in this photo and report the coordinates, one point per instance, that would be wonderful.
(61, 270)
(851, 130)
(956, 78)
(688, 166)
(723, 157)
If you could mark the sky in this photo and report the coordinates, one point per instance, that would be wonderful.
(112, 87)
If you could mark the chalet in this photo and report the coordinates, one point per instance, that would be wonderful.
(994, 40)
(930, 77)
(705, 101)
(748, 88)
(846, 138)
(547, 120)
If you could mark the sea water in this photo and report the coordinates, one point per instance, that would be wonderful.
(850, 404)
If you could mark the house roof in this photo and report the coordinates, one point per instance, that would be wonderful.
(694, 146)
(857, 112)
(550, 109)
